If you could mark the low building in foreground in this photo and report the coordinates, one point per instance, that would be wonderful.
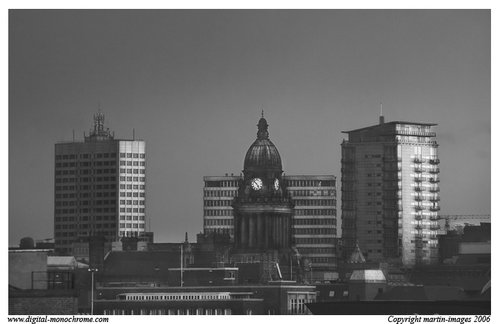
(42, 284)
(276, 298)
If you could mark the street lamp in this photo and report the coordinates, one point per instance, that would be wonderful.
(92, 270)
(157, 276)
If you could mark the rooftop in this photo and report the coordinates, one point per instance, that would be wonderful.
(390, 123)
(371, 276)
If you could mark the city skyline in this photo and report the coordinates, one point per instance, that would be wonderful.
(193, 90)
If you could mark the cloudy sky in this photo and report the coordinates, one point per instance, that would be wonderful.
(192, 84)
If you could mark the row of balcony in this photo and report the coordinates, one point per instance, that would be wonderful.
(433, 227)
(433, 161)
(431, 198)
(431, 208)
(431, 180)
(419, 169)
(416, 160)
(415, 133)
(421, 217)
(419, 188)
(421, 236)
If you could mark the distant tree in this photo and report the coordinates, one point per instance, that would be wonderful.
(27, 243)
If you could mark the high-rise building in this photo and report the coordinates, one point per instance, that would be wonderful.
(390, 192)
(313, 200)
(100, 187)
(218, 195)
(315, 221)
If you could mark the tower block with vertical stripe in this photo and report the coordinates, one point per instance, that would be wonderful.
(263, 210)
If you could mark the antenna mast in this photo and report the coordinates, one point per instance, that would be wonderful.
(381, 117)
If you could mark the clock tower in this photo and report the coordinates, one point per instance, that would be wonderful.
(262, 210)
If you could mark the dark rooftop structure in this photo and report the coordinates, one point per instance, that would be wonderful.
(422, 293)
(138, 266)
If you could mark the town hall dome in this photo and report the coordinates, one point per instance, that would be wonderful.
(262, 154)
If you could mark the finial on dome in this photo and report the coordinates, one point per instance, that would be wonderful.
(262, 126)
(262, 114)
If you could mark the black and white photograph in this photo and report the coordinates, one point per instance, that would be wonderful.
(249, 162)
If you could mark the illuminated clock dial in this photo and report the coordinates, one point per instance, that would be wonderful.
(256, 184)
(276, 184)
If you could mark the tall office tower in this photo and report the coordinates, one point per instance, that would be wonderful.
(390, 192)
(315, 221)
(100, 187)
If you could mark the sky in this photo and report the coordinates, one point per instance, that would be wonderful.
(192, 84)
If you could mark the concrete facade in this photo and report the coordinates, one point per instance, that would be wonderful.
(390, 192)
(28, 269)
(274, 298)
(100, 188)
(314, 222)
(43, 302)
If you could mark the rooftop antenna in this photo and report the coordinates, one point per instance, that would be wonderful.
(133, 134)
(262, 113)
(381, 117)
(73, 135)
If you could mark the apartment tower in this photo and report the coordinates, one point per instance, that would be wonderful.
(390, 192)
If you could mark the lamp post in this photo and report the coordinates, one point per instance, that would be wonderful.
(182, 263)
(92, 271)
(157, 276)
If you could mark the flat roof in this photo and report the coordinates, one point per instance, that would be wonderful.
(392, 122)
(30, 250)
(200, 269)
(206, 288)
(99, 141)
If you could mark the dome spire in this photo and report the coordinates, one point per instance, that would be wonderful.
(262, 126)
(262, 154)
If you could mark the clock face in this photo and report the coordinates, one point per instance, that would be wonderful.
(276, 184)
(256, 184)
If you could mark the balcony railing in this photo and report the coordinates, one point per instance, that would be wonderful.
(434, 180)
(418, 179)
(418, 170)
(434, 189)
(417, 160)
(434, 208)
(415, 133)
(434, 227)
(434, 170)
(434, 161)
(418, 208)
(418, 189)
(435, 199)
